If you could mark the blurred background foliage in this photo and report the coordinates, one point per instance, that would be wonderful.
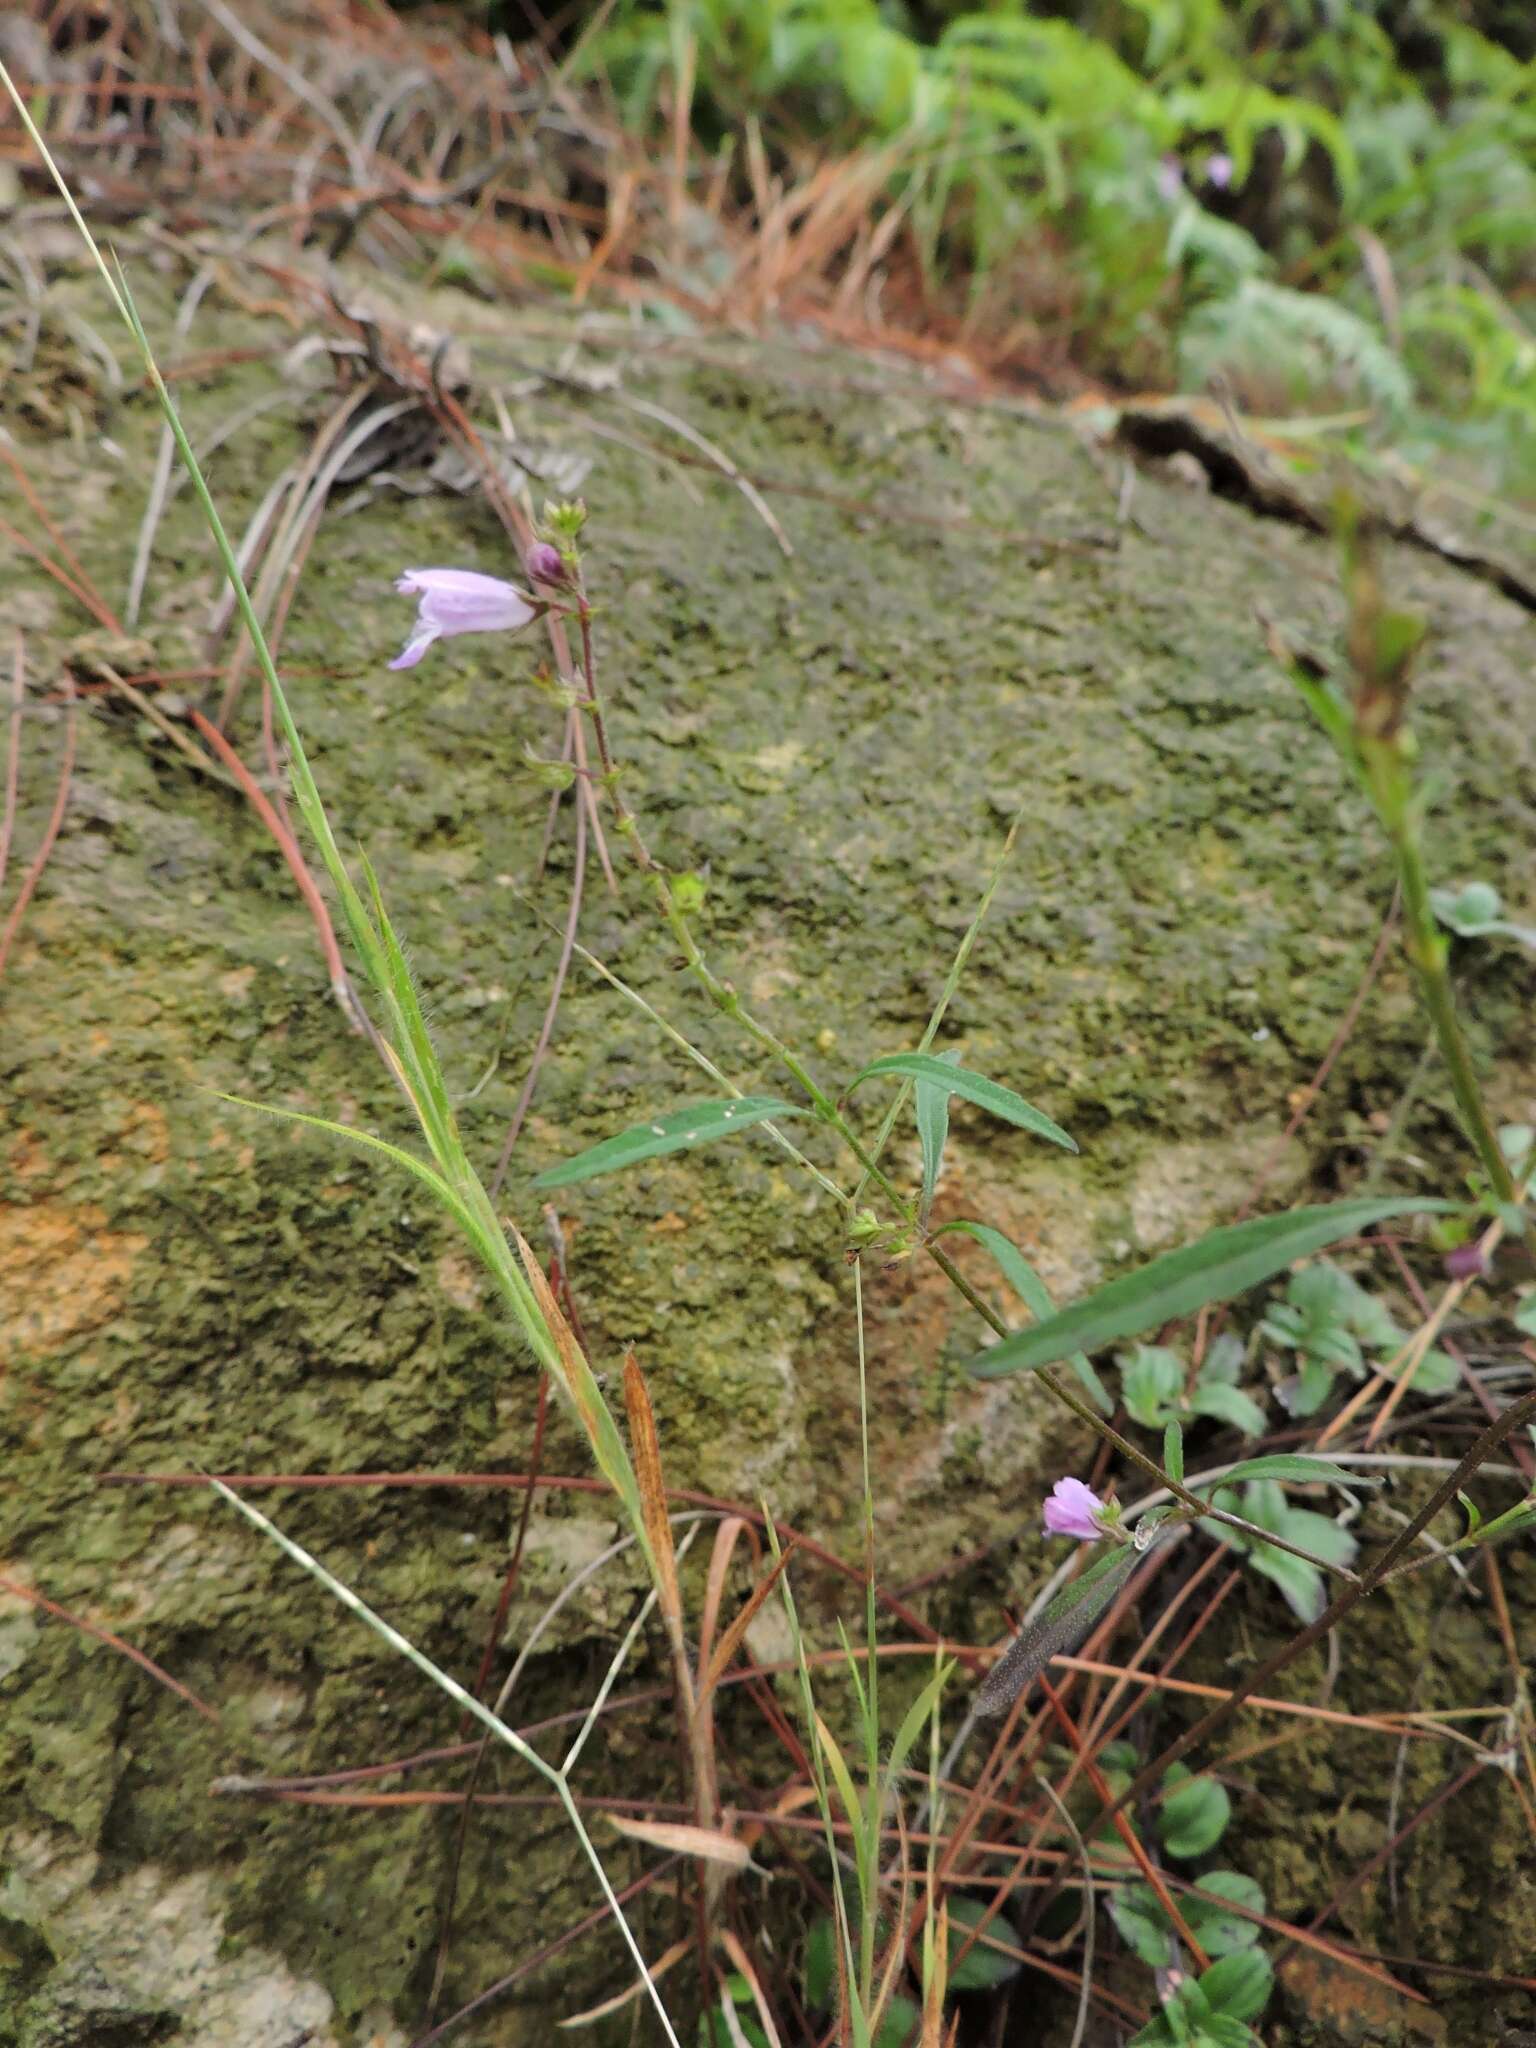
(1320, 207)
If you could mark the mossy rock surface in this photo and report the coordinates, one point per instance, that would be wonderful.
(835, 741)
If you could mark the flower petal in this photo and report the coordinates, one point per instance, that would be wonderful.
(1073, 1509)
(421, 639)
(450, 601)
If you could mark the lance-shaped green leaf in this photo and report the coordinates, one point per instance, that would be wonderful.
(1032, 1291)
(932, 1105)
(1226, 1263)
(989, 1095)
(1058, 1630)
(1286, 1465)
(675, 1132)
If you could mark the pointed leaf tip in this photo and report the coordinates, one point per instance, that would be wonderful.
(676, 1131)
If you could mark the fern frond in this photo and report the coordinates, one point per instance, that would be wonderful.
(1310, 344)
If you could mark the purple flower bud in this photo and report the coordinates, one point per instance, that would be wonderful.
(545, 563)
(458, 601)
(1218, 170)
(1170, 178)
(1074, 1510)
(1466, 1262)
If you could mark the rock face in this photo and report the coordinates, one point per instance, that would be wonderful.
(835, 740)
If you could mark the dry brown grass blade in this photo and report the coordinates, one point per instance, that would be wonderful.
(86, 589)
(574, 1370)
(621, 198)
(743, 1962)
(682, 1838)
(631, 1992)
(730, 1642)
(288, 846)
(15, 1590)
(727, 1536)
(13, 751)
(645, 1450)
(31, 878)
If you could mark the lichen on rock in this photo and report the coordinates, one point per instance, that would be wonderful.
(835, 742)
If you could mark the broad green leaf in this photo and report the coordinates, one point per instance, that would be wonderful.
(1292, 1465)
(819, 1973)
(1031, 1290)
(898, 2023)
(932, 1108)
(1238, 1986)
(1224, 1361)
(989, 1095)
(1306, 1392)
(1193, 1816)
(1226, 1263)
(1324, 1538)
(1300, 1582)
(674, 1132)
(1208, 1911)
(1263, 1504)
(983, 1967)
(1181, 2020)
(1222, 2030)
(1142, 1923)
(1229, 1404)
(1436, 1372)
(1151, 1380)
(715, 2033)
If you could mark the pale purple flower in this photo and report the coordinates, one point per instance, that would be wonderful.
(1218, 170)
(1074, 1510)
(453, 601)
(1466, 1262)
(1170, 177)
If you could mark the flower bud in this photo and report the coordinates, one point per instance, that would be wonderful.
(1466, 1262)
(545, 563)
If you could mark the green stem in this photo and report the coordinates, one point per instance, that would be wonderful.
(1426, 949)
(1086, 1413)
(730, 1004)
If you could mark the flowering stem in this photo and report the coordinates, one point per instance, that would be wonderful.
(1146, 1781)
(730, 1005)
(1085, 1413)
(1426, 947)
